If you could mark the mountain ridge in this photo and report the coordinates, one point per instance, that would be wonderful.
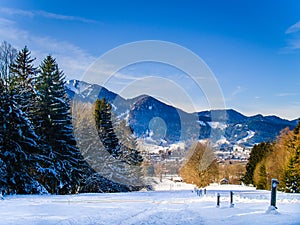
(147, 116)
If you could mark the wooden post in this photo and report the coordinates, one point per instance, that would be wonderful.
(231, 199)
(218, 200)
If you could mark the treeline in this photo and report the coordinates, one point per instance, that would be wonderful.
(280, 159)
(38, 150)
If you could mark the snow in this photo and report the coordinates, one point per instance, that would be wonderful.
(71, 85)
(250, 134)
(78, 87)
(201, 123)
(152, 148)
(179, 145)
(218, 125)
(168, 185)
(179, 205)
(203, 141)
(238, 148)
(155, 149)
(222, 140)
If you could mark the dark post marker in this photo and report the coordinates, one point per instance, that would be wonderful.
(231, 199)
(274, 184)
(218, 200)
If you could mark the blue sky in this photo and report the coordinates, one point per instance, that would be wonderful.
(252, 47)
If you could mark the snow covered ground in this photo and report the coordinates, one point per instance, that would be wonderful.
(178, 204)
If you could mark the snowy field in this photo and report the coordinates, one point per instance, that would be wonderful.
(177, 204)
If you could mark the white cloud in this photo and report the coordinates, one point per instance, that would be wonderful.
(72, 59)
(36, 13)
(238, 90)
(128, 77)
(234, 95)
(10, 33)
(293, 38)
(294, 43)
(286, 94)
(4, 21)
(294, 28)
(63, 17)
(20, 12)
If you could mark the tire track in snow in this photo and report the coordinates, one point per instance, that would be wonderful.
(165, 212)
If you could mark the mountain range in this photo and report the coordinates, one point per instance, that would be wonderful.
(152, 119)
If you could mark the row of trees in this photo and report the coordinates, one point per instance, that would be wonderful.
(38, 151)
(280, 159)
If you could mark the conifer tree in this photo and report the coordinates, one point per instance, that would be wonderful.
(292, 171)
(104, 127)
(111, 142)
(127, 159)
(297, 128)
(23, 74)
(17, 141)
(93, 151)
(262, 182)
(292, 174)
(258, 153)
(66, 168)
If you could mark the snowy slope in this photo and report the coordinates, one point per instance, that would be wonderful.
(162, 207)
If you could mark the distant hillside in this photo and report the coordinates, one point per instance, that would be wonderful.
(151, 118)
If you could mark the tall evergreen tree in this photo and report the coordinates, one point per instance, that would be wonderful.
(17, 138)
(23, 74)
(104, 127)
(292, 171)
(94, 152)
(292, 174)
(262, 182)
(108, 137)
(297, 128)
(127, 158)
(54, 126)
(17, 141)
(258, 152)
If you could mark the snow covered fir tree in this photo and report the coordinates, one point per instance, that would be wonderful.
(53, 124)
(108, 136)
(127, 160)
(18, 141)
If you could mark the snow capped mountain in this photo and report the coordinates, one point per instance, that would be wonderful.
(150, 118)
